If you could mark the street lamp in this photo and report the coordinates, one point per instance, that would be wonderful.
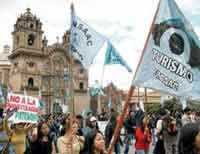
(66, 96)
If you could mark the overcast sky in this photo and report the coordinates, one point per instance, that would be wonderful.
(125, 22)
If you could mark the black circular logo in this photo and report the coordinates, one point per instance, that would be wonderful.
(176, 44)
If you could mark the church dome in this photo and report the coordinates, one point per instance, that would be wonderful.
(28, 13)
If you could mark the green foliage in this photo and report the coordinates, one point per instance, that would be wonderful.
(152, 108)
(195, 105)
(172, 105)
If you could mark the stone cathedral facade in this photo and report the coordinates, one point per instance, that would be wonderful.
(32, 66)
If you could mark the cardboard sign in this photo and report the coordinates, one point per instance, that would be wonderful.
(27, 108)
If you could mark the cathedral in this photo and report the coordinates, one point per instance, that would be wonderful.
(36, 67)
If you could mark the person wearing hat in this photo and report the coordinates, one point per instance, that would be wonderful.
(93, 123)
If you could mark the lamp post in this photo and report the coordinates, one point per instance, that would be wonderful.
(66, 92)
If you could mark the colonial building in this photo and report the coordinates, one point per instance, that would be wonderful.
(145, 96)
(112, 99)
(35, 66)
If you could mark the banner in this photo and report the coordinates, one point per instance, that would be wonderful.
(85, 42)
(113, 57)
(27, 108)
(171, 57)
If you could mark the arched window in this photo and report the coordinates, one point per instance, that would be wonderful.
(81, 70)
(81, 86)
(30, 82)
(17, 40)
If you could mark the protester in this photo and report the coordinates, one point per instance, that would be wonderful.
(109, 131)
(41, 142)
(64, 122)
(97, 143)
(189, 141)
(143, 137)
(170, 135)
(193, 116)
(5, 138)
(159, 147)
(186, 116)
(79, 119)
(129, 127)
(19, 134)
(70, 143)
(93, 123)
(152, 123)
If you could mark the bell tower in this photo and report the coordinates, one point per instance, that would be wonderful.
(27, 32)
(28, 54)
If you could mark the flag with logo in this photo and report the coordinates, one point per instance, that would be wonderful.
(171, 57)
(113, 57)
(85, 42)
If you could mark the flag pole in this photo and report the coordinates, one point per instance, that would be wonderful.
(71, 109)
(130, 93)
(102, 76)
(121, 119)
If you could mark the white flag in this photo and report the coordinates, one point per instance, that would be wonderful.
(171, 58)
(85, 42)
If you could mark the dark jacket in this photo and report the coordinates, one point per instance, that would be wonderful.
(129, 125)
(109, 131)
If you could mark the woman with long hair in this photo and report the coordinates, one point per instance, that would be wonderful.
(41, 142)
(189, 140)
(143, 137)
(97, 143)
(70, 143)
(109, 131)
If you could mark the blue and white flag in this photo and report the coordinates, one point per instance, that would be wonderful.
(85, 42)
(113, 57)
(170, 61)
(96, 89)
(1, 93)
(110, 102)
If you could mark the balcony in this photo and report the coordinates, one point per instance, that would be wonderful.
(30, 88)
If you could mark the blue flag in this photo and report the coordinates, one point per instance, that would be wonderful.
(94, 91)
(170, 61)
(113, 57)
(1, 92)
(85, 42)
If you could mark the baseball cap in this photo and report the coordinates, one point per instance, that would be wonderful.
(93, 119)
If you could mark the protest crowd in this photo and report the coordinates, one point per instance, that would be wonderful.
(166, 133)
(169, 63)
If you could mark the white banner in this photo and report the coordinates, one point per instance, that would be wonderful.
(171, 59)
(27, 108)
